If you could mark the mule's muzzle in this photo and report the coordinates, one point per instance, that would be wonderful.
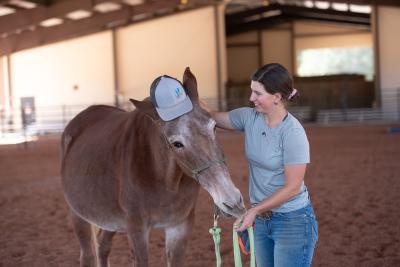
(234, 210)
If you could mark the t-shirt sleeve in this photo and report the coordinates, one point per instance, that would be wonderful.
(239, 117)
(296, 149)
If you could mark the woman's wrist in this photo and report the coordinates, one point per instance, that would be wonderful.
(255, 210)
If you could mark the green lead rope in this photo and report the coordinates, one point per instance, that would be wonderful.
(215, 232)
(236, 249)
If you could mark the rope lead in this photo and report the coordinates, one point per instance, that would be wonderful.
(215, 232)
(236, 249)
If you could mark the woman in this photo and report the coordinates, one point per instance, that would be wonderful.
(277, 149)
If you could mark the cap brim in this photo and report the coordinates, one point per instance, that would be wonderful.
(168, 114)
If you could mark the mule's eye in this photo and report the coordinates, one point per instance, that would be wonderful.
(177, 144)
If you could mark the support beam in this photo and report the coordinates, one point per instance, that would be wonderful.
(255, 20)
(377, 65)
(115, 68)
(368, 2)
(100, 21)
(24, 19)
(10, 83)
(43, 35)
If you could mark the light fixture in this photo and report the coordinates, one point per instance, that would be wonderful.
(133, 2)
(308, 4)
(23, 4)
(78, 14)
(322, 4)
(51, 22)
(340, 6)
(6, 10)
(360, 8)
(107, 7)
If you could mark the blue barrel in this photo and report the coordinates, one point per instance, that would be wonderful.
(394, 130)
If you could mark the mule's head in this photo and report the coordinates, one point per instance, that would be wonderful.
(191, 137)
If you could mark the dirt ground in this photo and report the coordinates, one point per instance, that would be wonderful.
(354, 182)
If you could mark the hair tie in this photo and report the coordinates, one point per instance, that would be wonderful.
(294, 91)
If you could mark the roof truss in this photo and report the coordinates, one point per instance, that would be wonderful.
(22, 29)
(269, 16)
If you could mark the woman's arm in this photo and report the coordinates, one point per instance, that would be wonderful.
(221, 118)
(294, 177)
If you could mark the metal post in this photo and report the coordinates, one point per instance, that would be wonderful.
(2, 117)
(218, 52)
(115, 67)
(64, 114)
(398, 104)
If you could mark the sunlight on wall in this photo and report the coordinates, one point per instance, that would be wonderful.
(326, 61)
(76, 71)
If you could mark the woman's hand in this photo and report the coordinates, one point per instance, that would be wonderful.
(245, 221)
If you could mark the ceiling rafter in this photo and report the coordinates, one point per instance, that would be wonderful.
(31, 17)
(367, 2)
(254, 19)
(97, 22)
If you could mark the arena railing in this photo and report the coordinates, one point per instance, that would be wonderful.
(389, 111)
(52, 119)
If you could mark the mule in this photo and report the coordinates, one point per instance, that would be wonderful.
(132, 172)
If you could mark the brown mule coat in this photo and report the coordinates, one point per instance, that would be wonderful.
(119, 174)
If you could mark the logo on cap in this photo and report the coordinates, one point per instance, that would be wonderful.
(178, 92)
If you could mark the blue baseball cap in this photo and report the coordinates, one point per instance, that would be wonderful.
(169, 98)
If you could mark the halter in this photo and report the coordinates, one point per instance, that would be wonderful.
(196, 171)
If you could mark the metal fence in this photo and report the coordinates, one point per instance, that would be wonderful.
(388, 112)
(53, 119)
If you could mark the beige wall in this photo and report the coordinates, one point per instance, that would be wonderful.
(309, 27)
(388, 56)
(243, 56)
(246, 37)
(49, 73)
(389, 47)
(2, 85)
(354, 40)
(277, 47)
(167, 46)
(242, 61)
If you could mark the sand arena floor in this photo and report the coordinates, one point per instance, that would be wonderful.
(354, 182)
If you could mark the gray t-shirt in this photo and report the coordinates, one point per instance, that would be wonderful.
(268, 150)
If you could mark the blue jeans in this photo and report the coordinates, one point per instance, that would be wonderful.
(286, 239)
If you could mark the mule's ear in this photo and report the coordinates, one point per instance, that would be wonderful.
(190, 84)
(145, 107)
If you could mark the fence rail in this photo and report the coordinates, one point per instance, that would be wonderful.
(53, 119)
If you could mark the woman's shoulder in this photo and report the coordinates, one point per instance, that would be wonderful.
(293, 122)
(292, 126)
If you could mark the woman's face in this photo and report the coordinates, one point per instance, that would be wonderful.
(263, 101)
